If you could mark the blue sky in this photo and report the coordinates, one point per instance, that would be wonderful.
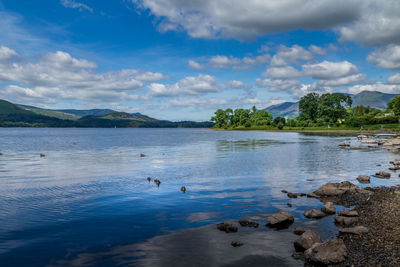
(182, 60)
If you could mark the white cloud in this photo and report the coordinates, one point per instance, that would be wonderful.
(387, 57)
(192, 85)
(195, 65)
(326, 70)
(378, 86)
(351, 79)
(287, 72)
(197, 102)
(317, 50)
(286, 55)
(77, 5)
(58, 76)
(235, 63)
(394, 79)
(234, 84)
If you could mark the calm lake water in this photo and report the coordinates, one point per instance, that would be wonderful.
(88, 203)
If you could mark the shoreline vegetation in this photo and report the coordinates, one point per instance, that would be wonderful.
(326, 113)
(368, 228)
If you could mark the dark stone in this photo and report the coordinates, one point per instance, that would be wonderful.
(306, 240)
(299, 230)
(246, 223)
(280, 220)
(227, 228)
(289, 205)
(284, 191)
(331, 252)
(292, 195)
(314, 214)
(236, 244)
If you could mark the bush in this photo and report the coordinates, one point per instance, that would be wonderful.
(280, 126)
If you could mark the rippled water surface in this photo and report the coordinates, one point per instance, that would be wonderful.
(87, 202)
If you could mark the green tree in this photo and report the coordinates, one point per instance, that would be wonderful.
(308, 106)
(394, 105)
(332, 107)
(220, 118)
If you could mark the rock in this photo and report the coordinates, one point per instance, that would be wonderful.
(355, 148)
(1, 154)
(314, 214)
(357, 230)
(289, 205)
(292, 195)
(307, 240)
(331, 252)
(348, 213)
(382, 174)
(42, 155)
(343, 145)
(302, 194)
(392, 142)
(148, 179)
(299, 230)
(361, 136)
(345, 221)
(246, 223)
(336, 189)
(312, 195)
(284, 191)
(280, 218)
(142, 155)
(396, 168)
(395, 163)
(158, 182)
(369, 141)
(183, 189)
(328, 208)
(236, 244)
(227, 228)
(364, 179)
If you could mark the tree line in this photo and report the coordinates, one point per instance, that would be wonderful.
(315, 111)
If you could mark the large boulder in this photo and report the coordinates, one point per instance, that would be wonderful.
(357, 230)
(345, 221)
(307, 240)
(392, 142)
(314, 214)
(364, 179)
(280, 218)
(348, 213)
(331, 252)
(328, 208)
(337, 189)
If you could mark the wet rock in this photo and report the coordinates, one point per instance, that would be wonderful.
(236, 244)
(1, 154)
(307, 240)
(157, 182)
(312, 195)
(357, 230)
(227, 228)
(292, 195)
(364, 179)
(302, 194)
(343, 145)
(331, 252)
(395, 163)
(337, 189)
(395, 168)
(348, 213)
(183, 189)
(392, 142)
(314, 214)
(42, 155)
(284, 191)
(246, 223)
(142, 155)
(328, 208)
(282, 218)
(148, 179)
(382, 174)
(289, 205)
(361, 136)
(345, 221)
(369, 141)
(355, 148)
(299, 230)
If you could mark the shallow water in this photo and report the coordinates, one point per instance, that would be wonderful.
(87, 202)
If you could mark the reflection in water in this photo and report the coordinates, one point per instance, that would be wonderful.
(89, 202)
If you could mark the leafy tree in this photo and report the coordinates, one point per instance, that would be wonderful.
(394, 105)
(308, 106)
(332, 107)
(220, 118)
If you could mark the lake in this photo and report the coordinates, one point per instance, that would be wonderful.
(87, 202)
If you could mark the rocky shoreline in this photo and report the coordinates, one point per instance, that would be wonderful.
(368, 230)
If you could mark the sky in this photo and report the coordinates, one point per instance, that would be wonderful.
(182, 60)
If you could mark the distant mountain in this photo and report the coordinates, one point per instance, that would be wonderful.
(12, 115)
(285, 109)
(373, 99)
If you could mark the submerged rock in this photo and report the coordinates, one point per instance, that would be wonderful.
(370, 141)
(236, 244)
(246, 223)
(284, 191)
(328, 208)
(336, 189)
(307, 240)
(183, 189)
(148, 179)
(314, 214)
(345, 221)
(280, 219)
(331, 252)
(357, 230)
(227, 228)
(157, 182)
(364, 179)
(142, 155)
(42, 155)
(298, 230)
(289, 205)
(348, 213)
(312, 195)
(343, 145)
(292, 195)
(382, 174)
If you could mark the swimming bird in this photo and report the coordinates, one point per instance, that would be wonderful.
(148, 179)
(157, 182)
(183, 189)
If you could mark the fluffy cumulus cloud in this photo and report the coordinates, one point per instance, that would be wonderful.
(192, 85)
(294, 54)
(286, 72)
(77, 5)
(326, 70)
(229, 62)
(394, 79)
(235, 84)
(57, 76)
(377, 86)
(386, 57)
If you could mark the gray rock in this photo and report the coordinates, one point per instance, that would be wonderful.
(357, 230)
(328, 208)
(314, 214)
(337, 189)
(292, 195)
(299, 230)
(382, 174)
(364, 179)
(331, 252)
(227, 228)
(236, 244)
(348, 213)
(344, 145)
(282, 217)
(247, 223)
(345, 221)
(307, 240)
(370, 141)
(312, 195)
